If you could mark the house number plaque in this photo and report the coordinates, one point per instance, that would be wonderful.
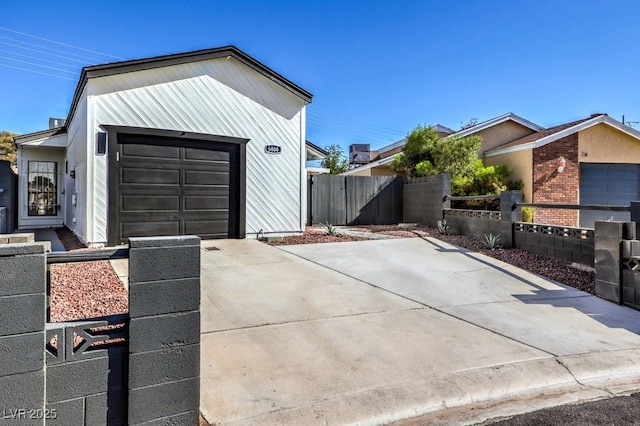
(272, 149)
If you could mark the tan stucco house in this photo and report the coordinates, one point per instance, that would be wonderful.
(593, 161)
(494, 132)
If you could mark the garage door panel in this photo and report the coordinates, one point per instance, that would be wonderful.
(623, 187)
(146, 202)
(147, 176)
(206, 203)
(212, 228)
(622, 171)
(599, 187)
(202, 178)
(149, 228)
(198, 154)
(150, 151)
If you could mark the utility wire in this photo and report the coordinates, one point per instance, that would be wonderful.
(37, 58)
(44, 53)
(60, 43)
(86, 58)
(38, 65)
(37, 72)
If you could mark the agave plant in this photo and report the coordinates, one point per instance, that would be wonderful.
(492, 242)
(330, 229)
(443, 228)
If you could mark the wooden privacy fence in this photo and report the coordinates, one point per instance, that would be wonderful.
(355, 200)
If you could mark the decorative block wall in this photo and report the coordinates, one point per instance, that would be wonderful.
(143, 367)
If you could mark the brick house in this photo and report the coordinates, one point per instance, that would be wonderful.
(593, 161)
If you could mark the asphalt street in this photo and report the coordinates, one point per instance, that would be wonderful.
(622, 410)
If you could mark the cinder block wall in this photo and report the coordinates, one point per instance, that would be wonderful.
(423, 199)
(607, 257)
(164, 330)
(152, 378)
(22, 325)
(551, 187)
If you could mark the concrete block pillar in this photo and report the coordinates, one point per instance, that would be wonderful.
(607, 257)
(164, 330)
(424, 199)
(509, 214)
(22, 333)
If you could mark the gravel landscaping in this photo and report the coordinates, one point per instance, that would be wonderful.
(541, 265)
(82, 290)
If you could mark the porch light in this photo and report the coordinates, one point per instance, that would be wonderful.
(561, 164)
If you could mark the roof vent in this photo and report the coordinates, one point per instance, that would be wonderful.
(56, 122)
(597, 114)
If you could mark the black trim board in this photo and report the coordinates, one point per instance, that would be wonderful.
(112, 178)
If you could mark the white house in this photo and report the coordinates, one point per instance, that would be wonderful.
(209, 143)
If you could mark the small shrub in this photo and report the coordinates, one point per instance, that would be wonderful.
(443, 228)
(492, 242)
(527, 214)
(330, 229)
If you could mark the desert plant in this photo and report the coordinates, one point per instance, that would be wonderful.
(443, 228)
(491, 242)
(330, 229)
(527, 214)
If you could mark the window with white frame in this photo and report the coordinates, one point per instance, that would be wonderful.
(42, 188)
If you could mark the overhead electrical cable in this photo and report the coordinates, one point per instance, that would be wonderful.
(37, 72)
(61, 44)
(38, 65)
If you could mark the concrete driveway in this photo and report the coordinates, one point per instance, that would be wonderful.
(380, 331)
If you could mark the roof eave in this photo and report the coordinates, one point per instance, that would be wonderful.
(42, 134)
(495, 121)
(566, 132)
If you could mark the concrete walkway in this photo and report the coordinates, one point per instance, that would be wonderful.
(373, 332)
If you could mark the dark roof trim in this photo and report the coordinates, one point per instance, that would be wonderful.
(177, 59)
(28, 137)
(316, 148)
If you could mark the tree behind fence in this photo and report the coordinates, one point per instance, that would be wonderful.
(355, 200)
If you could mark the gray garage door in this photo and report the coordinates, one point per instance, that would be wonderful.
(170, 186)
(608, 184)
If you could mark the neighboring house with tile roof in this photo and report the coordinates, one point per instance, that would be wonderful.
(600, 158)
(494, 132)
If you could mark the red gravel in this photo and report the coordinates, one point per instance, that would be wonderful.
(541, 265)
(82, 290)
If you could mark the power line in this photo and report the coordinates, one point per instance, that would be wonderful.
(86, 58)
(38, 65)
(354, 124)
(60, 43)
(39, 59)
(330, 112)
(44, 53)
(37, 72)
(347, 129)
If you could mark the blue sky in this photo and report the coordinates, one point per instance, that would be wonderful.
(376, 69)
